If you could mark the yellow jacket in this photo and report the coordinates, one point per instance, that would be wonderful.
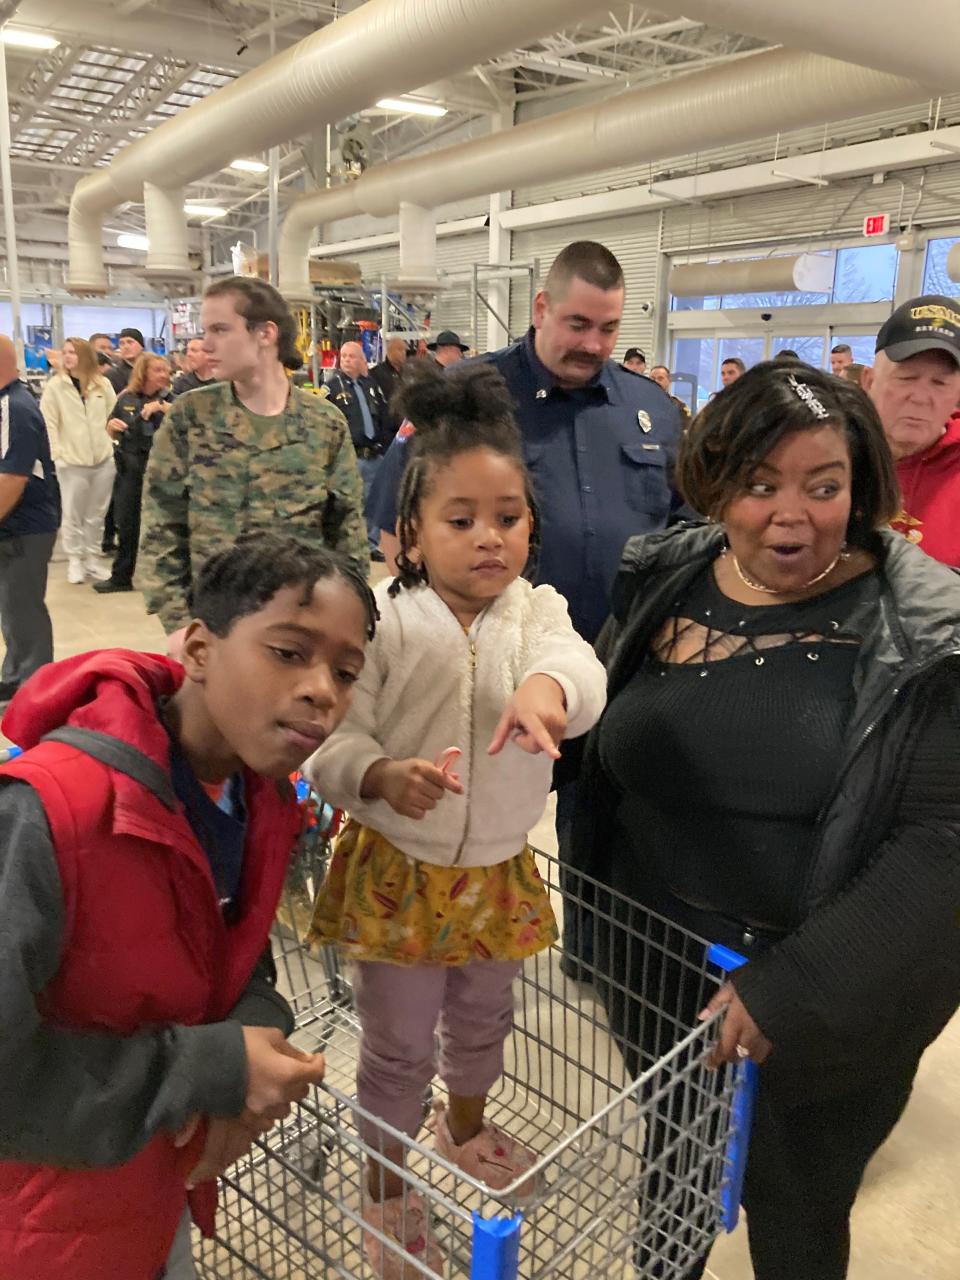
(78, 428)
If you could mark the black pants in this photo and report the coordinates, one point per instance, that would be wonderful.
(127, 499)
(24, 620)
(813, 1133)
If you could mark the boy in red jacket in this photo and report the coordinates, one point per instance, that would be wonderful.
(144, 839)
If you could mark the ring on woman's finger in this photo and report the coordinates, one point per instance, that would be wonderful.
(742, 1051)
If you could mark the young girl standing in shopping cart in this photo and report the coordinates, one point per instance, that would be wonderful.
(444, 764)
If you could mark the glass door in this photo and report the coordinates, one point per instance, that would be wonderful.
(811, 348)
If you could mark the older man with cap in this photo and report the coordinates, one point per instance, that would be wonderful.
(447, 348)
(915, 387)
(29, 519)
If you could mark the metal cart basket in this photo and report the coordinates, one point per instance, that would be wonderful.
(640, 1148)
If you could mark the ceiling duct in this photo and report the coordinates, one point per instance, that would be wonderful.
(920, 42)
(380, 48)
(756, 95)
(806, 272)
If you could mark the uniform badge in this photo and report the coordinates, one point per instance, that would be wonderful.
(643, 418)
(541, 394)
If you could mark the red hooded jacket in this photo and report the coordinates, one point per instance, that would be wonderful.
(145, 944)
(930, 485)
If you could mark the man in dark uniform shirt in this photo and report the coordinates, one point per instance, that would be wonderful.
(197, 373)
(29, 519)
(387, 375)
(600, 443)
(362, 403)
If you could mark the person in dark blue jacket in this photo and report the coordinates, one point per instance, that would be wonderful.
(599, 441)
(29, 520)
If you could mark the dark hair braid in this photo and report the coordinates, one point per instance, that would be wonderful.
(467, 408)
(239, 581)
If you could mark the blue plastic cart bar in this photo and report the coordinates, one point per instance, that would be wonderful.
(496, 1248)
(746, 1076)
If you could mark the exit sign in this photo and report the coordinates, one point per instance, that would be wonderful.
(876, 224)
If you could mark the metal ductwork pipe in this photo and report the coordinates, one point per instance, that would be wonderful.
(746, 99)
(807, 272)
(381, 48)
(166, 231)
(920, 42)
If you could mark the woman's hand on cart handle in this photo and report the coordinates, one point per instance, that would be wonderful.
(740, 1037)
(277, 1072)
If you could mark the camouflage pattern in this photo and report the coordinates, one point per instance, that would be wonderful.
(217, 471)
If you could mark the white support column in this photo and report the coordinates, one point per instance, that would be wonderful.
(10, 230)
(418, 244)
(498, 251)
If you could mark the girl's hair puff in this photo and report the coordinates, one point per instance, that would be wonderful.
(467, 408)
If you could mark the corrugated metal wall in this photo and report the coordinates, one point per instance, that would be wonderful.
(634, 240)
(927, 196)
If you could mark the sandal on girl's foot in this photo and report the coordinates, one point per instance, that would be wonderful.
(402, 1219)
(492, 1157)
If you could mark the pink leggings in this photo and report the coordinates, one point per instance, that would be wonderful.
(401, 1009)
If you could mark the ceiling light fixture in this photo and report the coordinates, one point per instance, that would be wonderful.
(204, 211)
(17, 38)
(411, 107)
(130, 240)
(249, 166)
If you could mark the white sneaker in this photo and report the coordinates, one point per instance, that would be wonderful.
(76, 572)
(96, 570)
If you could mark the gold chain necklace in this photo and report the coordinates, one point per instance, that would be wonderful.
(772, 591)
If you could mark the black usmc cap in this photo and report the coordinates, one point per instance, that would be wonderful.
(928, 323)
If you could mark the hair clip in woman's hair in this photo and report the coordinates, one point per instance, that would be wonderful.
(808, 396)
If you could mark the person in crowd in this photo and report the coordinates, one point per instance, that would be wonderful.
(731, 369)
(635, 360)
(467, 652)
(600, 445)
(137, 415)
(786, 355)
(145, 834)
(250, 452)
(29, 519)
(662, 376)
(197, 373)
(387, 375)
(797, 659)
(915, 387)
(103, 346)
(130, 346)
(854, 373)
(76, 404)
(841, 357)
(447, 348)
(359, 398)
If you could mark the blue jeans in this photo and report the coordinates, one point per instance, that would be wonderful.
(368, 470)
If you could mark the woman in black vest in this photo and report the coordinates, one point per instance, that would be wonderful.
(778, 770)
(139, 411)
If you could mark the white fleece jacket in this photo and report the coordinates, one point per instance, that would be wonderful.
(422, 690)
(78, 428)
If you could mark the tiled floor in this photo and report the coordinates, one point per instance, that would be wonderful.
(907, 1220)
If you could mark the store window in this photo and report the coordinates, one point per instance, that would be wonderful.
(867, 273)
(864, 273)
(695, 357)
(935, 278)
(809, 348)
(863, 346)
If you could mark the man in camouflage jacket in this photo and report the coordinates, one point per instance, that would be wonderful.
(251, 452)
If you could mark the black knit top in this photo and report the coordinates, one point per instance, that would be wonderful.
(726, 744)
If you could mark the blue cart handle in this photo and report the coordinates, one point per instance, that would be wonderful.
(746, 1078)
(496, 1247)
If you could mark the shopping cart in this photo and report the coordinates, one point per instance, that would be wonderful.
(641, 1149)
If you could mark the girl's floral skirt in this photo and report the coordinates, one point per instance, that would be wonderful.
(379, 904)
